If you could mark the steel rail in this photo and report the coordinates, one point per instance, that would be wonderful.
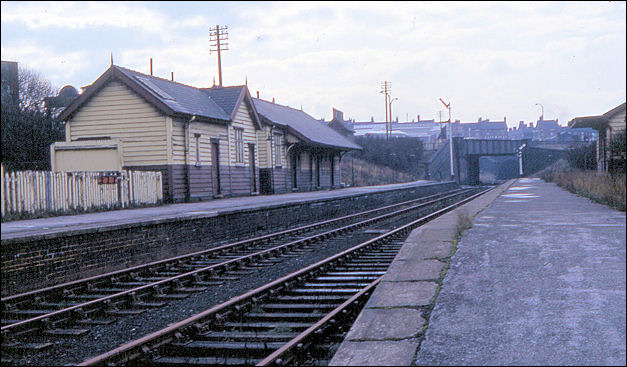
(50, 317)
(298, 340)
(135, 349)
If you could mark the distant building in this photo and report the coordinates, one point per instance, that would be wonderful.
(546, 129)
(484, 129)
(344, 127)
(428, 131)
(608, 126)
(10, 85)
(568, 134)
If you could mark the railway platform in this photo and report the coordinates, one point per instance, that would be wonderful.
(111, 219)
(539, 279)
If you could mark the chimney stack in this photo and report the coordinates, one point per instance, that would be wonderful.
(151, 66)
(272, 99)
(257, 94)
(418, 117)
(172, 76)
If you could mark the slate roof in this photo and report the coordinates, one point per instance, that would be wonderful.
(184, 99)
(547, 124)
(225, 97)
(171, 98)
(596, 121)
(487, 125)
(302, 125)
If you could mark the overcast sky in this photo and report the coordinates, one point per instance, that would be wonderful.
(489, 60)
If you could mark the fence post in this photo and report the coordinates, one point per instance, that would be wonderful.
(48, 191)
(2, 189)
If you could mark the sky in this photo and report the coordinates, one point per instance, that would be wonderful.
(488, 59)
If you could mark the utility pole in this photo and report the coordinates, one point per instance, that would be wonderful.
(386, 88)
(450, 134)
(218, 36)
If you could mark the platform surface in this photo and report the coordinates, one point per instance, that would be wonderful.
(538, 280)
(52, 225)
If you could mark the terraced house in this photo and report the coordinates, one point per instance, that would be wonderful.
(207, 142)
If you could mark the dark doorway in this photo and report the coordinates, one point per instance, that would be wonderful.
(332, 157)
(253, 168)
(318, 160)
(295, 164)
(265, 181)
(215, 167)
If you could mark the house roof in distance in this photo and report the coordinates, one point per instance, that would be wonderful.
(303, 125)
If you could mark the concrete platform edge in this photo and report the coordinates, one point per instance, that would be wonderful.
(395, 311)
(99, 227)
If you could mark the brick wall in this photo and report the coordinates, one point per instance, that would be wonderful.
(38, 261)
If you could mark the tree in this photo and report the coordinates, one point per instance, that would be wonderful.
(27, 128)
(33, 89)
(583, 158)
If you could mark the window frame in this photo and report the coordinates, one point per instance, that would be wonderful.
(239, 144)
(197, 138)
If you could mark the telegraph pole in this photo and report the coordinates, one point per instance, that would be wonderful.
(386, 88)
(218, 36)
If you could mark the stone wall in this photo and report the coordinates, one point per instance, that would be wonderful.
(37, 261)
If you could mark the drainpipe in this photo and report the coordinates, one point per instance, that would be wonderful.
(187, 183)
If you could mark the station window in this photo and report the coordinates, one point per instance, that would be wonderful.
(239, 145)
(197, 137)
(277, 149)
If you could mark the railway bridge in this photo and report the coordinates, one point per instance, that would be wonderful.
(466, 154)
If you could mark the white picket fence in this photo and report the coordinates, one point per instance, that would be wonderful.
(47, 191)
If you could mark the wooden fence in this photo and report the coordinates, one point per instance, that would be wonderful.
(48, 192)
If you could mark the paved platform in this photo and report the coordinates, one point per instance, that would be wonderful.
(538, 280)
(45, 226)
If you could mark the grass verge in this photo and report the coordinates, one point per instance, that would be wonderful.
(600, 187)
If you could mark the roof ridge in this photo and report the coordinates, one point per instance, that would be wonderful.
(217, 87)
(282, 105)
(157, 77)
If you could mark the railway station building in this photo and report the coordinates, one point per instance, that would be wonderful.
(608, 125)
(301, 153)
(206, 142)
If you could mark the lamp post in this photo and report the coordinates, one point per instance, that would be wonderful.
(392, 100)
(450, 134)
(541, 106)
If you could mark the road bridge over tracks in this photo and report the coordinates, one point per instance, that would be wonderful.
(466, 154)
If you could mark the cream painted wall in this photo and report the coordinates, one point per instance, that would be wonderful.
(119, 113)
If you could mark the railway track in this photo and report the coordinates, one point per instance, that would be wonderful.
(292, 320)
(67, 310)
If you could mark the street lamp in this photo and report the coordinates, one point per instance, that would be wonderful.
(392, 100)
(541, 106)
